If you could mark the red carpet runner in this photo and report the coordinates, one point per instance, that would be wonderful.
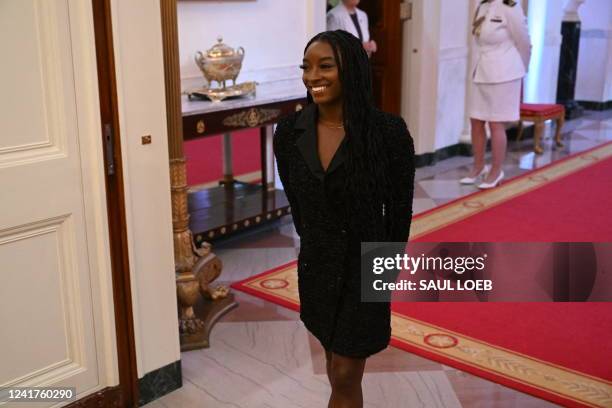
(558, 351)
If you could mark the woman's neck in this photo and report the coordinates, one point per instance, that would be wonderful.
(351, 9)
(331, 113)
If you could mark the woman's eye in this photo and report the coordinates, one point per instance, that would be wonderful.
(303, 66)
(326, 66)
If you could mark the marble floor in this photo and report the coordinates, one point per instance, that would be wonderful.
(262, 356)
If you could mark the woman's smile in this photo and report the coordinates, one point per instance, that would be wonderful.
(317, 90)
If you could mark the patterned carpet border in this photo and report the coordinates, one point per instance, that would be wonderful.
(463, 207)
(544, 379)
(519, 371)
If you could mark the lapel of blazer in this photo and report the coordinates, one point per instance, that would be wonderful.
(339, 157)
(306, 127)
(360, 18)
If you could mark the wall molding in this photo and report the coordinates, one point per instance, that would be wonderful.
(429, 159)
(464, 149)
(594, 105)
(452, 53)
(597, 33)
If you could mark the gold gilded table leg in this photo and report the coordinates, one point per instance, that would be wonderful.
(520, 131)
(228, 167)
(560, 123)
(537, 137)
(190, 262)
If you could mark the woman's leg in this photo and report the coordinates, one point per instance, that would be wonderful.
(346, 375)
(498, 149)
(479, 143)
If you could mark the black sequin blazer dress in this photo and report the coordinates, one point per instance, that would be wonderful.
(329, 261)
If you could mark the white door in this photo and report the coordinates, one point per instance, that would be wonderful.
(56, 321)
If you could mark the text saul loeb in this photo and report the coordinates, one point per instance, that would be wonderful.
(433, 265)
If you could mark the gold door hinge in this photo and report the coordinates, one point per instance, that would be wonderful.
(405, 11)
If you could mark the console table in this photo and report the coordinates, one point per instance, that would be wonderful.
(233, 206)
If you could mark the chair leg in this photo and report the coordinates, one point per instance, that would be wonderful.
(560, 123)
(537, 137)
(519, 134)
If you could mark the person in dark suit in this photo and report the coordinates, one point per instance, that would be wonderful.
(348, 172)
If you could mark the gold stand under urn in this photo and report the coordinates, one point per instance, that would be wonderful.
(200, 305)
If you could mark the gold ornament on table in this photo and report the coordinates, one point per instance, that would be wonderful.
(220, 64)
(208, 269)
(251, 118)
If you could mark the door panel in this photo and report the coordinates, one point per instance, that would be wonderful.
(49, 273)
(386, 30)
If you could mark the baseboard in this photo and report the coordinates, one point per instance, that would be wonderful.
(108, 397)
(160, 382)
(597, 106)
(464, 149)
(429, 159)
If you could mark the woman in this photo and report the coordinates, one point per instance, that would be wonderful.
(346, 16)
(348, 173)
(502, 55)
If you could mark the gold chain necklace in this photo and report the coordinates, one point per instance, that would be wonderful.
(331, 126)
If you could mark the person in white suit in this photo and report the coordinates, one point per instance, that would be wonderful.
(501, 57)
(346, 16)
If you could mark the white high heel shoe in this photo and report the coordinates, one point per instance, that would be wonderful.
(472, 180)
(494, 183)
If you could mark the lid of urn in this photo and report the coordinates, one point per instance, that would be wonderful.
(220, 50)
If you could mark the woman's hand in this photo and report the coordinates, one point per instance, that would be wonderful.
(370, 47)
(373, 46)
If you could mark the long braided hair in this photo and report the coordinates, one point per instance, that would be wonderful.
(366, 162)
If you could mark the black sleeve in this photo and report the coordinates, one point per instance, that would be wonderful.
(280, 152)
(402, 168)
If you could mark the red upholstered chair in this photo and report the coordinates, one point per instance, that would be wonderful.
(538, 114)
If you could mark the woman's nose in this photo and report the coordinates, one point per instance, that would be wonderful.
(312, 74)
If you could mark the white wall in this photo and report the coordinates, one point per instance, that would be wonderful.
(419, 89)
(453, 63)
(434, 86)
(594, 76)
(544, 22)
(272, 32)
(436, 60)
(140, 83)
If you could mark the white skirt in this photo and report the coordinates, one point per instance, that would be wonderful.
(496, 102)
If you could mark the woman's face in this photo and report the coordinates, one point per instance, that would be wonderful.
(351, 3)
(320, 73)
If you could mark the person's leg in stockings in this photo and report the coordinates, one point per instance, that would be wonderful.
(479, 143)
(499, 143)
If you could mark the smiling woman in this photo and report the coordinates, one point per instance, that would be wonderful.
(348, 172)
(321, 73)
